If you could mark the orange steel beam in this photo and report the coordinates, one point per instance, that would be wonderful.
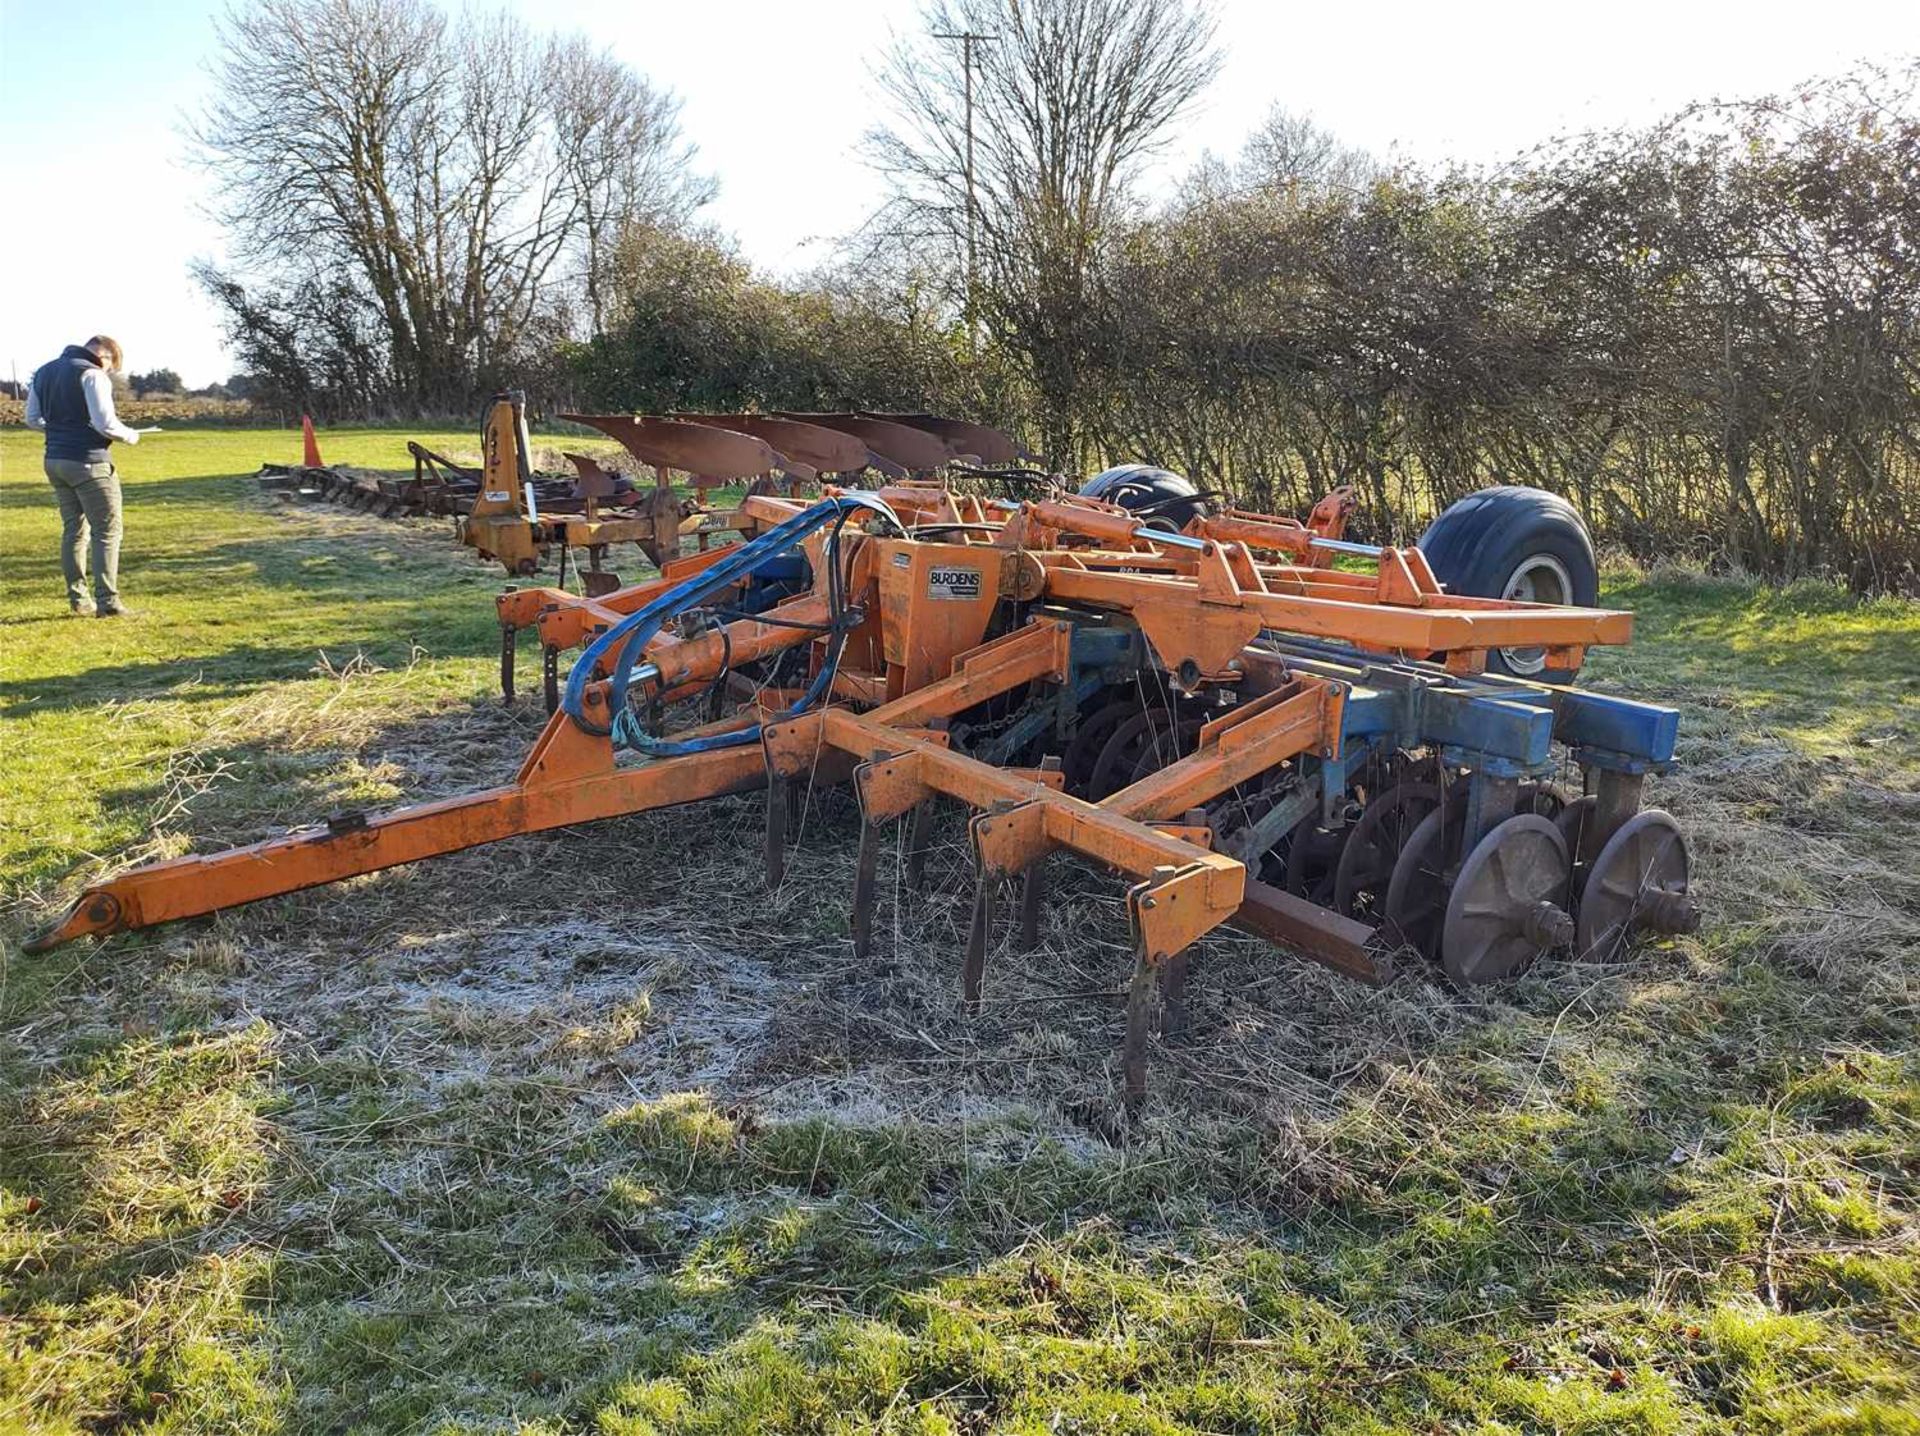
(1186, 891)
(1301, 716)
(569, 777)
(1425, 628)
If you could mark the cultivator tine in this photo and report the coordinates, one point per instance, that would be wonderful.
(1173, 972)
(1009, 838)
(776, 845)
(1133, 1051)
(1173, 993)
(550, 677)
(507, 635)
(1033, 897)
(866, 872)
(979, 937)
(918, 840)
(1033, 883)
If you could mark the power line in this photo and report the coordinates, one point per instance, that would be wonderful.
(968, 39)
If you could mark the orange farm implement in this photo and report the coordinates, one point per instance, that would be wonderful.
(507, 512)
(1250, 719)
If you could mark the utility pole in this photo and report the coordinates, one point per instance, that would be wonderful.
(968, 39)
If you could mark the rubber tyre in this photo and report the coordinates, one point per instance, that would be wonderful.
(1477, 546)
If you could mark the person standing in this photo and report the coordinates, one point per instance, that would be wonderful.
(71, 401)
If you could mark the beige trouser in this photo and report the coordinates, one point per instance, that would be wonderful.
(89, 496)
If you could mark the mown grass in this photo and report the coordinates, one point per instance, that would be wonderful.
(226, 602)
(513, 1141)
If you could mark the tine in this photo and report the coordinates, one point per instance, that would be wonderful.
(1133, 1053)
(1033, 886)
(918, 838)
(1033, 895)
(776, 830)
(866, 870)
(1173, 993)
(978, 934)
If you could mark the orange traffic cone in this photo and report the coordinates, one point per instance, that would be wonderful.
(312, 459)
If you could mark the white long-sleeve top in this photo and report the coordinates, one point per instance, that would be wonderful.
(98, 388)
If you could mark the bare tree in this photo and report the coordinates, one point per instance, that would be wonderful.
(465, 179)
(1290, 149)
(617, 138)
(1069, 99)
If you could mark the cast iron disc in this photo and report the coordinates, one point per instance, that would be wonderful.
(1572, 821)
(1312, 852)
(1373, 844)
(1647, 855)
(1141, 745)
(1511, 871)
(1545, 798)
(1092, 736)
(1417, 892)
(1167, 751)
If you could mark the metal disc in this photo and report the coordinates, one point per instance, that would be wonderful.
(1168, 750)
(1572, 821)
(1545, 798)
(1373, 845)
(1417, 892)
(1646, 858)
(1150, 738)
(1505, 910)
(1312, 852)
(1095, 729)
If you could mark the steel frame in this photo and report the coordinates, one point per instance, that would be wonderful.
(1199, 608)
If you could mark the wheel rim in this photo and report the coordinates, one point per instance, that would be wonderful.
(1540, 578)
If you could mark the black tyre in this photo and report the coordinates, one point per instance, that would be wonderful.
(1170, 499)
(1513, 542)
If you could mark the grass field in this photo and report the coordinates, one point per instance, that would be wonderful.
(585, 1132)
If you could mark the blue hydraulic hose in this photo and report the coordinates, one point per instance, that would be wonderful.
(631, 634)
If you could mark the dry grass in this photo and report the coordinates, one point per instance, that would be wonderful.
(586, 1130)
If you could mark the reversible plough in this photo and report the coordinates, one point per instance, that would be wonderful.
(1252, 720)
(508, 513)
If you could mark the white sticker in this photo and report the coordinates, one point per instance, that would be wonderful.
(497, 496)
(901, 560)
(961, 583)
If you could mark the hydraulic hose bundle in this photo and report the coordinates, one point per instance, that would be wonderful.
(626, 642)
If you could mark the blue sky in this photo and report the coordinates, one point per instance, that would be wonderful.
(777, 95)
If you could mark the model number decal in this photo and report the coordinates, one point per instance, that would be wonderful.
(961, 583)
